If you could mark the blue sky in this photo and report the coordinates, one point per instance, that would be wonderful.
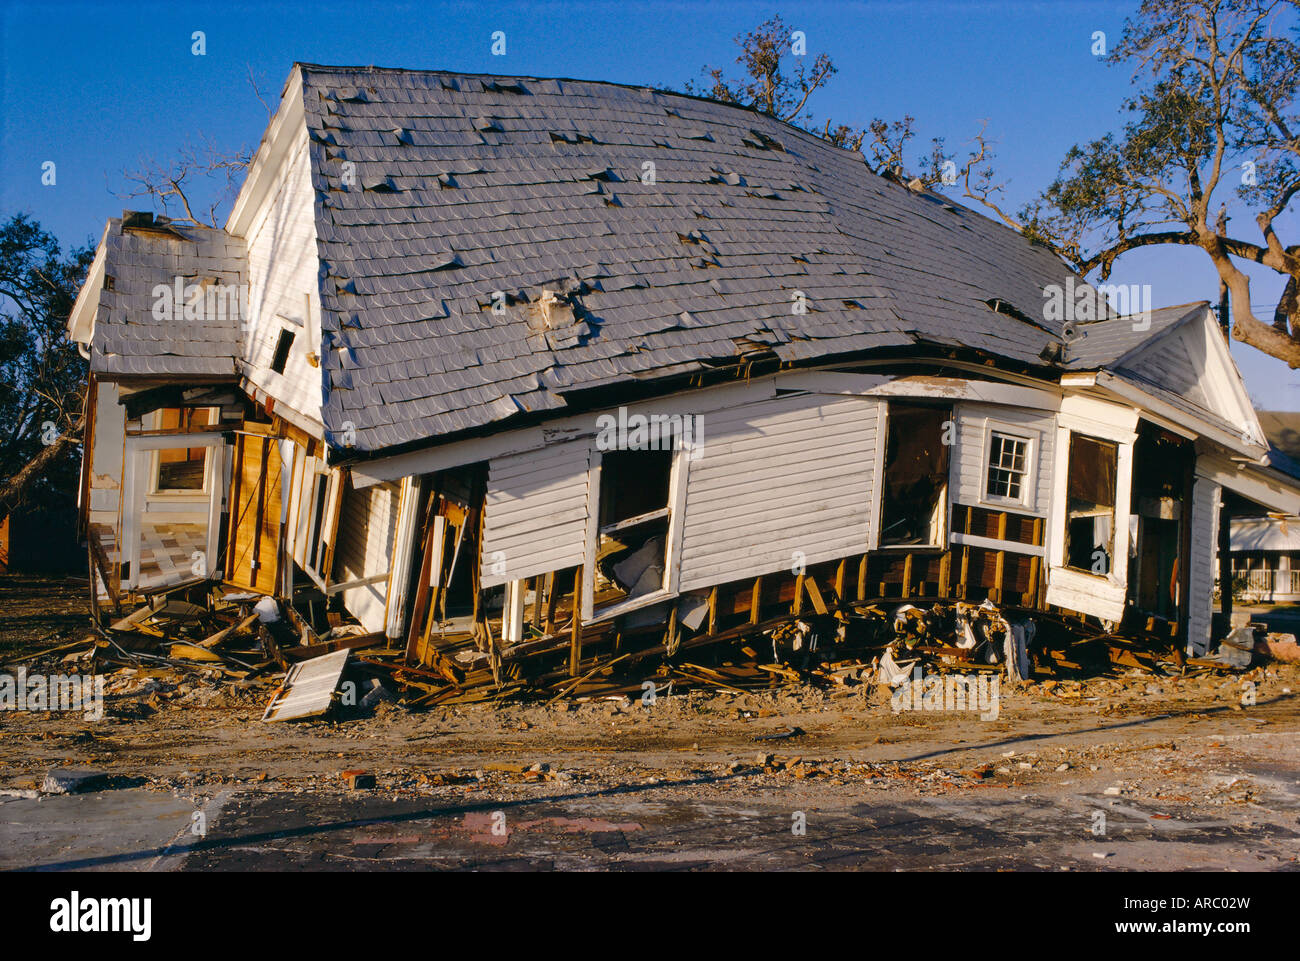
(96, 88)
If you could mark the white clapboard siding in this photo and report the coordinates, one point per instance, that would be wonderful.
(1205, 541)
(283, 269)
(785, 475)
(535, 515)
(970, 456)
(367, 529)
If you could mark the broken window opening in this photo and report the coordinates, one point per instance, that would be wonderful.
(1090, 505)
(632, 523)
(182, 470)
(914, 503)
(282, 346)
(1008, 468)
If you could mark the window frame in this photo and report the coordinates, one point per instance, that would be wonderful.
(1115, 516)
(944, 533)
(1028, 499)
(155, 457)
(672, 540)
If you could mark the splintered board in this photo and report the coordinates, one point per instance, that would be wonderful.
(308, 688)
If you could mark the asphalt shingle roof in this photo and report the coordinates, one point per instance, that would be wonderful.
(673, 233)
(131, 339)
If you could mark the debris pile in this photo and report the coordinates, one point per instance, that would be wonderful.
(199, 645)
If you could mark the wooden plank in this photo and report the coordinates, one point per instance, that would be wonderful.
(907, 575)
(756, 600)
(100, 559)
(999, 560)
(963, 586)
(1036, 568)
(575, 641)
(815, 595)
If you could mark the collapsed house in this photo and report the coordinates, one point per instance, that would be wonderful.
(531, 376)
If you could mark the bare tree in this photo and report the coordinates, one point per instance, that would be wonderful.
(199, 169)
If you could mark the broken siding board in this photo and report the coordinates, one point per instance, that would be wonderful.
(536, 509)
(1205, 537)
(367, 533)
(784, 475)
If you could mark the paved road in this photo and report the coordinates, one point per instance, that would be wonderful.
(726, 822)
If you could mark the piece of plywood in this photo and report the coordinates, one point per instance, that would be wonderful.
(254, 533)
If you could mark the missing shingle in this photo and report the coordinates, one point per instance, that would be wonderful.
(729, 177)
(697, 133)
(763, 194)
(403, 136)
(447, 262)
(761, 141)
(575, 137)
(508, 86)
(359, 96)
(853, 305)
(488, 124)
(383, 185)
(603, 174)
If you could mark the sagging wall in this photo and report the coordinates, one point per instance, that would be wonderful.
(367, 533)
(975, 425)
(782, 482)
(779, 482)
(535, 519)
(796, 478)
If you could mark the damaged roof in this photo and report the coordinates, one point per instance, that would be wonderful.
(139, 334)
(490, 244)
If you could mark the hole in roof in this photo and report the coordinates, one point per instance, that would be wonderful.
(504, 86)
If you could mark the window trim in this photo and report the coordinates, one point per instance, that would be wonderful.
(1115, 543)
(672, 540)
(155, 461)
(944, 534)
(328, 508)
(1028, 499)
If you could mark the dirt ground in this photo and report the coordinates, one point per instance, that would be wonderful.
(1184, 773)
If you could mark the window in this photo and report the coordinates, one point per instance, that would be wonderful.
(281, 357)
(1090, 505)
(1008, 468)
(181, 469)
(632, 523)
(914, 502)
